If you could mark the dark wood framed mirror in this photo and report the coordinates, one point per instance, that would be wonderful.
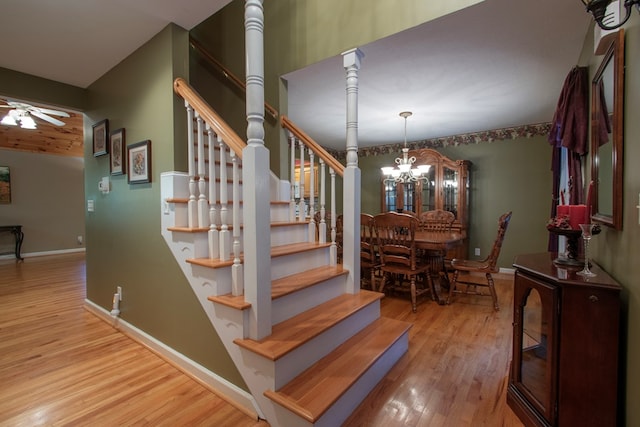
(607, 135)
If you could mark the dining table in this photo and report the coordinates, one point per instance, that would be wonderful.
(435, 246)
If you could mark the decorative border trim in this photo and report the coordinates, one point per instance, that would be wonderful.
(524, 131)
(226, 390)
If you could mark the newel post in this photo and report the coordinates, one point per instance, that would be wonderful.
(255, 181)
(352, 179)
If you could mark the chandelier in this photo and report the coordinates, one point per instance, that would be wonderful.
(405, 172)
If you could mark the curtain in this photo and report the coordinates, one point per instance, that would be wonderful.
(569, 129)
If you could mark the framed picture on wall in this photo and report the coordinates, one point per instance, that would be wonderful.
(116, 152)
(5, 185)
(139, 162)
(100, 134)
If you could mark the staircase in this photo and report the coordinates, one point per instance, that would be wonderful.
(328, 346)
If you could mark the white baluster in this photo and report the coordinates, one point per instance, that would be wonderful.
(237, 285)
(333, 251)
(301, 203)
(203, 214)
(312, 197)
(225, 236)
(192, 213)
(322, 227)
(214, 235)
(292, 203)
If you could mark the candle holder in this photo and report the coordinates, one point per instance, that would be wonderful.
(570, 257)
(587, 233)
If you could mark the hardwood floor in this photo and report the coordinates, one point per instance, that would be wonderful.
(455, 372)
(61, 365)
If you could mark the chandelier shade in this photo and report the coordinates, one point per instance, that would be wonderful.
(404, 171)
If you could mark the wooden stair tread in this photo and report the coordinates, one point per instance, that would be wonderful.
(230, 227)
(285, 285)
(185, 200)
(295, 282)
(276, 251)
(288, 335)
(315, 390)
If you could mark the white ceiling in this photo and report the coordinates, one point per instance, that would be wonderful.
(497, 64)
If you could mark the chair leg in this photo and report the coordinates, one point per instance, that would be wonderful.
(414, 299)
(452, 285)
(492, 288)
(373, 279)
(383, 282)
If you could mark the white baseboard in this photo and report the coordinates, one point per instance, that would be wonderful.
(35, 254)
(231, 393)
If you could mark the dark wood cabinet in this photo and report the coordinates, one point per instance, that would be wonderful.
(564, 370)
(445, 187)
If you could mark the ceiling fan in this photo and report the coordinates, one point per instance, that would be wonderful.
(21, 113)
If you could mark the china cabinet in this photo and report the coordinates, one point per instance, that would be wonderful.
(446, 186)
(564, 369)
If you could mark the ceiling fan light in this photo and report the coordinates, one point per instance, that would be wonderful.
(8, 120)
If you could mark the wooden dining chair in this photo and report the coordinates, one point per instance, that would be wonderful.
(486, 266)
(369, 256)
(399, 257)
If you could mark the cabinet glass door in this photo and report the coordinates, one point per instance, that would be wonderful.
(428, 191)
(390, 195)
(535, 344)
(450, 190)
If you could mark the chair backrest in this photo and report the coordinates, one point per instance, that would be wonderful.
(367, 241)
(503, 223)
(396, 239)
(437, 220)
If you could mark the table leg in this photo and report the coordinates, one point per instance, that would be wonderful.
(19, 235)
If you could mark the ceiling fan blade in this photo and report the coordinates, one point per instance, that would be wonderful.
(47, 118)
(48, 111)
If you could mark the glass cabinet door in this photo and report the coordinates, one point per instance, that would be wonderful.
(450, 190)
(390, 196)
(428, 192)
(534, 357)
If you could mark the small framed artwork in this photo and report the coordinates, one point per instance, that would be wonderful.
(139, 162)
(5, 185)
(116, 152)
(100, 133)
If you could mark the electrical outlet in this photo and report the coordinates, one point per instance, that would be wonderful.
(477, 252)
(80, 240)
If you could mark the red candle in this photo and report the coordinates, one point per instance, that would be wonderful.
(562, 210)
(577, 216)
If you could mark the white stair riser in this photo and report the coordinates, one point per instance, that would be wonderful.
(295, 362)
(294, 233)
(290, 305)
(219, 279)
(299, 262)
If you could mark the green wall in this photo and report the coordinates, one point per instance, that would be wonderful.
(124, 244)
(618, 252)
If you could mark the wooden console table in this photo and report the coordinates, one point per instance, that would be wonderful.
(19, 235)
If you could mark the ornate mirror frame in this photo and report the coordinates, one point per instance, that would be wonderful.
(607, 135)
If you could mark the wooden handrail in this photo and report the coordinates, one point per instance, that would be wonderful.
(228, 74)
(182, 88)
(315, 147)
